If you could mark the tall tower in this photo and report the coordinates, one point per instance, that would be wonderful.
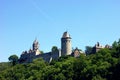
(66, 44)
(36, 47)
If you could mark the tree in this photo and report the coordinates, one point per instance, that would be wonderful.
(41, 52)
(114, 45)
(13, 59)
(116, 48)
(54, 49)
(88, 50)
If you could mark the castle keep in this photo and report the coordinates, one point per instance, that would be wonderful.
(66, 44)
(66, 49)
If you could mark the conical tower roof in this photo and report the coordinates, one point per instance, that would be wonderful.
(66, 35)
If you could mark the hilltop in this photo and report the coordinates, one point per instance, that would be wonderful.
(103, 65)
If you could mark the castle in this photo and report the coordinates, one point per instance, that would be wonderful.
(66, 49)
(98, 47)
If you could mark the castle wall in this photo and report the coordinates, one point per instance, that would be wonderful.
(28, 57)
(48, 56)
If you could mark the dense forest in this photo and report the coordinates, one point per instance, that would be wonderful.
(103, 65)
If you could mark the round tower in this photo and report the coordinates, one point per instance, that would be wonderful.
(66, 44)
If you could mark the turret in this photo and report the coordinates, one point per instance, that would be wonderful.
(35, 45)
(66, 44)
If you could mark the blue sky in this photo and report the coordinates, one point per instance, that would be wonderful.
(87, 21)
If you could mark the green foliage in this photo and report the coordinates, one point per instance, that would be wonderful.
(104, 65)
(41, 52)
(88, 50)
(13, 59)
(54, 49)
(4, 65)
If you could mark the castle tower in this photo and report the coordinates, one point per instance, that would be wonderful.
(36, 47)
(66, 44)
(97, 47)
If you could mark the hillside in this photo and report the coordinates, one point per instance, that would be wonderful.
(104, 65)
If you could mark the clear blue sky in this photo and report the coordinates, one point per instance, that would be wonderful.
(87, 21)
